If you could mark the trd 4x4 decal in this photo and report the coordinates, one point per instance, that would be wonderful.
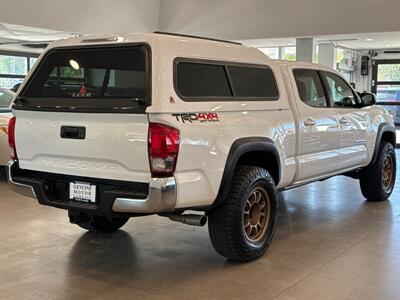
(197, 117)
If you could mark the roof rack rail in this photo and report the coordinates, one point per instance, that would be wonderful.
(196, 37)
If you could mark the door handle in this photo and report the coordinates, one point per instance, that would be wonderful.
(73, 132)
(310, 122)
(343, 120)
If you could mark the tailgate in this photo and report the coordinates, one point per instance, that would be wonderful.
(114, 145)
(82, 113)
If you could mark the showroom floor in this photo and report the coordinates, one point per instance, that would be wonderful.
(330, 244)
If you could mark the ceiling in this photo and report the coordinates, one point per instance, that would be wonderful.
(16, 36)
(360, 41)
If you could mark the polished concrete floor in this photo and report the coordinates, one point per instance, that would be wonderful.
(330, 244)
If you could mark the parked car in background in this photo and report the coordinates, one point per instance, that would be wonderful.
(6, 98)
(16, 87)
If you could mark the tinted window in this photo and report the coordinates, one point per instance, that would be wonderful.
(253, 82)
(340, 91)
(90, 77)
(310, 88)
(202, 80)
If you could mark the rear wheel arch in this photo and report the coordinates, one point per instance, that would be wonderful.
(252, 151)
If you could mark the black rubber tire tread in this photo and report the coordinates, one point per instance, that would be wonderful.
(225, 222)
(103, 224)
(371, 177)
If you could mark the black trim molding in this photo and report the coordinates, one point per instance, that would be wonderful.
(238, 148)
(384, 127)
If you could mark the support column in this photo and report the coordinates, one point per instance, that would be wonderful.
(327, 55)
(305, 49)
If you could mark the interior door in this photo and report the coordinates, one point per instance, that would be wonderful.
(353, 121)
(386, 85)
(319, 133)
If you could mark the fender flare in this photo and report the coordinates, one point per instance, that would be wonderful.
(238, 148)
(383, 127)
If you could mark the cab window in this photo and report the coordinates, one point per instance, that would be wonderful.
(310, 88)
(341, 93)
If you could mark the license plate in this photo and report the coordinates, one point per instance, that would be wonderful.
(82, 191)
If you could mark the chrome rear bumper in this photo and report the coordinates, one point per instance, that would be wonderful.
(23, 189)
(161, 196)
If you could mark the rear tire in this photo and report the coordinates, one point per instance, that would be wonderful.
(377, 180)
(101, 224)
(242, 228)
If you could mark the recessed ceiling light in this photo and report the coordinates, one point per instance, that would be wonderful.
(369, 40)
(290, 44)
(388, 45)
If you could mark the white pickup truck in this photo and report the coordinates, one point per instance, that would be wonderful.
(115, 127)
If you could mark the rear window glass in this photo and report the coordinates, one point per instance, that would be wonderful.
(211, 82)
(105, 77)
(202, 80)
(253, 82)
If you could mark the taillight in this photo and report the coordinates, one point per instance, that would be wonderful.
(11, 138)
(163, 149)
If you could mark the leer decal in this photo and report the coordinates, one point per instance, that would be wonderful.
(82, 93)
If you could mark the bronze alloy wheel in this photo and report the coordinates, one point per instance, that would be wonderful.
(387, 177)
(243, 226)
(256, 215)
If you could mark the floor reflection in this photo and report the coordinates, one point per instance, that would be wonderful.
(328, 235)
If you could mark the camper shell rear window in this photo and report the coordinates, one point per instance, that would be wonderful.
(109, 78)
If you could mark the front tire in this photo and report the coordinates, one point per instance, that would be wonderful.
(242, 228)
(377, 180)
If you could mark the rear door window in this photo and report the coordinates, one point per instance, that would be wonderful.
(309, 87)
(114, 78)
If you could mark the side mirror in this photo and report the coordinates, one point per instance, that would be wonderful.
(368, 99)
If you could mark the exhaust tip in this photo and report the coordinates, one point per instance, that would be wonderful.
(203, 221)
(189, 219)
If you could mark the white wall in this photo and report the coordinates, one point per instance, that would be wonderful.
(86, 16)
(363, 83)
(251, 19)
(382, 55)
